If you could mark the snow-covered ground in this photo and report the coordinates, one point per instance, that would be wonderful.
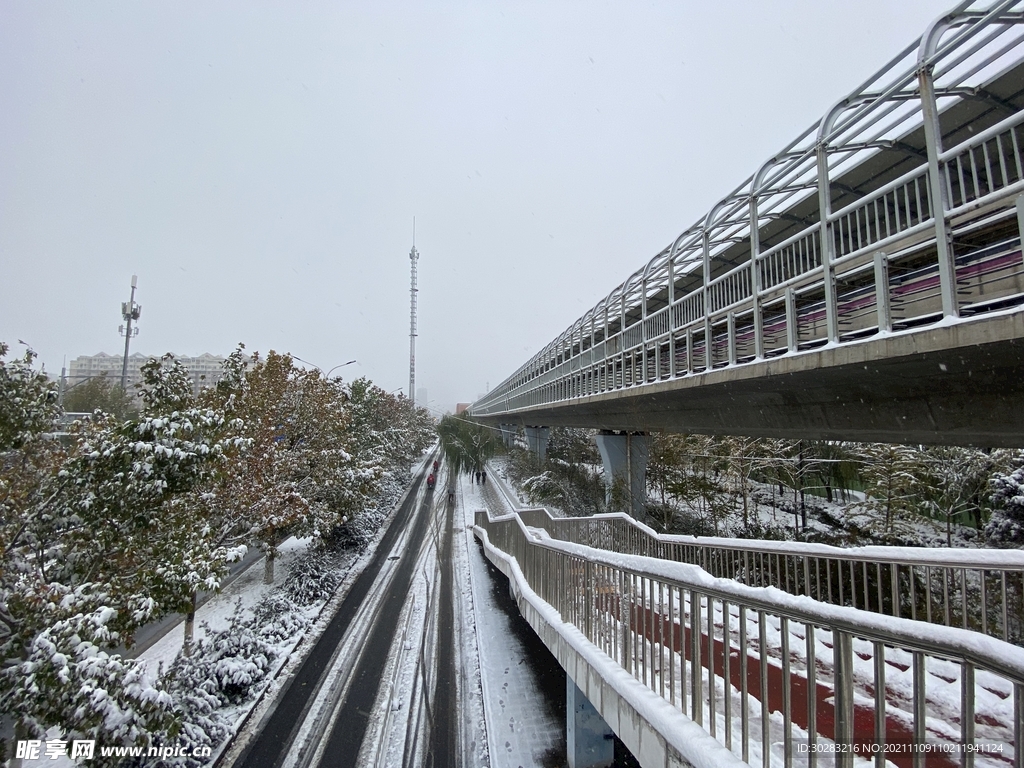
(506, 719)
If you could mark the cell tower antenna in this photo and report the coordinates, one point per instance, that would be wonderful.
(129, 311)
(414, 256)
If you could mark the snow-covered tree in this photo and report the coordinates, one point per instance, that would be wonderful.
(1006, 526)
(467, 444)
(385, 428)
(29, 403)
(258, 498)
(892, 473)
(100, 393)
(133, 519)
(107, 542)
(331, 474)
(315, 451)
(955, 481)
(745, 455)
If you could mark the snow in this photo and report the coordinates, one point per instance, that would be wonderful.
(989, 651)
(248, 590)
(286, 645)
(503, 724)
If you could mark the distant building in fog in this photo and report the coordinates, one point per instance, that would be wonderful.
(460, 407)
(205, 370)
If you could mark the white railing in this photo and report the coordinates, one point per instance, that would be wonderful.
(779, 679)
(980, 590)
(791, 259)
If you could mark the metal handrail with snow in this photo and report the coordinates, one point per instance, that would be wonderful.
(780, 679)
(980, 590)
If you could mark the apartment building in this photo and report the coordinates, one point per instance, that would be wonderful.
(205, 370)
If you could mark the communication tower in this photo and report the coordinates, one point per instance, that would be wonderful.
(129, 311)
(413, 258)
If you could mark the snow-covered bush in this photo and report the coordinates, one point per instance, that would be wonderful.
(67, 679)
(358, 532)
(29, 402)
(277, 618)
(202, 723)
(312, 577)
(224, 669)
(229, 663)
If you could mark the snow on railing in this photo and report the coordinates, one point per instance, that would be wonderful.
(780, 679)
(979, 590)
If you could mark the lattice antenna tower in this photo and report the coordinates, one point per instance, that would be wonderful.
(414, 256)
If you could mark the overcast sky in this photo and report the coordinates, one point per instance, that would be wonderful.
(258, 165)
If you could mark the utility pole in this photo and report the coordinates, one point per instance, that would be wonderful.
(413, 258)
(129, 312)
(63, 382)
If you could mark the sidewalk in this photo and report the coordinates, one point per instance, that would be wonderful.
(525, 727)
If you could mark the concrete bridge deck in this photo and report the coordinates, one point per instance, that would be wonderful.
(959, 383)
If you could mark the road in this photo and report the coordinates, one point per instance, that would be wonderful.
(445, 749)
(322, 713)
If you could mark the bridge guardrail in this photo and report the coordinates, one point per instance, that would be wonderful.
(978, 590)
(780, 679)
(736, 286)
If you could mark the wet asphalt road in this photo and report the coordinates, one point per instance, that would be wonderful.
(444, 749)
(278, 731)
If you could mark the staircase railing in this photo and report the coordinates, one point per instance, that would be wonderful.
(980, 590)
(776, 678)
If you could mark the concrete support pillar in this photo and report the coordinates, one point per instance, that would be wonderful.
(589, 740)
(508, 434)
(537, 441)
(625, 464)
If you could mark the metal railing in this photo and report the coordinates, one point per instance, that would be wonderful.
(778, 679)
(978, 590)
(909, 244)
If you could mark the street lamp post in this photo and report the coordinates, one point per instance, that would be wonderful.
(328, 374)
(339, 365)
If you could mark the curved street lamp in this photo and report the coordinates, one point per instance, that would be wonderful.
(339, 365)
(328, 374)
